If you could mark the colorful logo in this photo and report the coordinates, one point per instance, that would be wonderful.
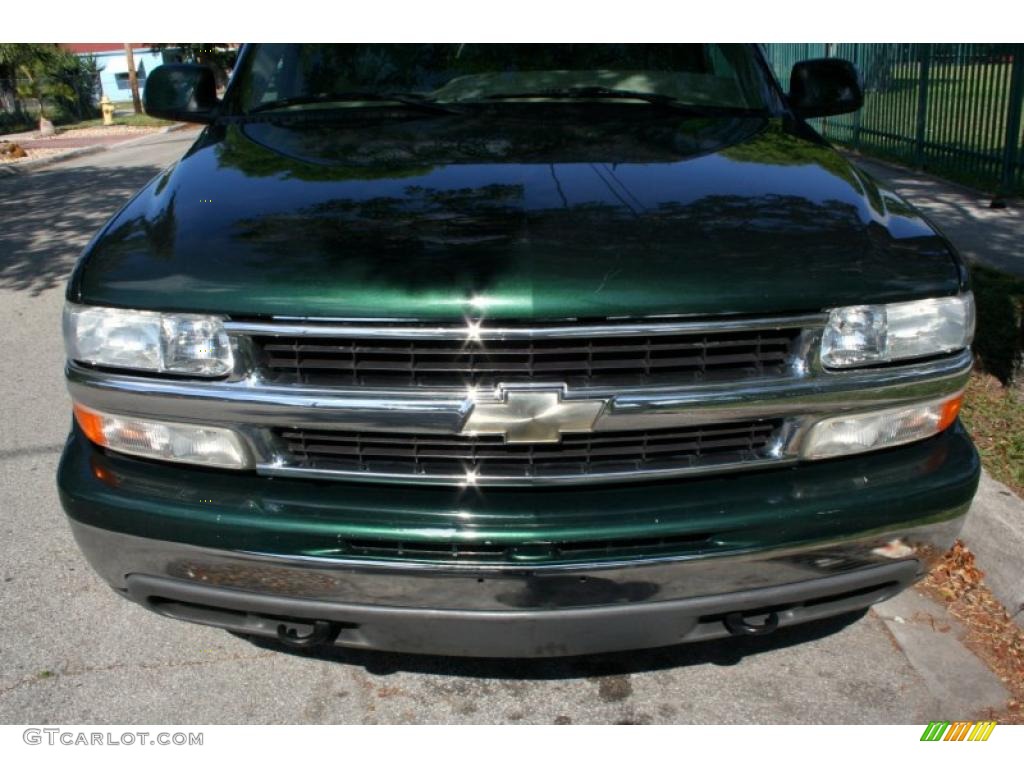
(939, 730)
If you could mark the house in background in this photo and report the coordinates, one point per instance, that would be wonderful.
(113, 64)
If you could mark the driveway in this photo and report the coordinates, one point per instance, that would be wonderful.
(73, 651)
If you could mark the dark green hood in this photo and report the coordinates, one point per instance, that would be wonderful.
(574, 216)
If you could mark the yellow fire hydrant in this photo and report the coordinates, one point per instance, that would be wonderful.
(107, 107)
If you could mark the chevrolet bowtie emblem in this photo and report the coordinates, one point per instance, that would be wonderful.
(533, 416)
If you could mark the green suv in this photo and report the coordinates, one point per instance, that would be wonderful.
(514, 350)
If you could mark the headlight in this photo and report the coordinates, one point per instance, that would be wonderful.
(873, 430)
(193, 345)
(885, 333)
(167, 441)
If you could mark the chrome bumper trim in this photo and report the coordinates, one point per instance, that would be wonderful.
(254, 408)
(247, 402)
(507, 587)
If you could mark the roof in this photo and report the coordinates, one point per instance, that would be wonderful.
(81, 48)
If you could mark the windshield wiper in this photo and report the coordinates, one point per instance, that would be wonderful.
(405, 99)
(601, 92)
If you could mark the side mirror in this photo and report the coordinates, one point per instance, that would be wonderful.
(822, 87)
(186, 92)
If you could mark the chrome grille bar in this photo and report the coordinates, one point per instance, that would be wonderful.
(484, 456)
(479, 330)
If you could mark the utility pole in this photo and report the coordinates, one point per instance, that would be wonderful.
(133, 79)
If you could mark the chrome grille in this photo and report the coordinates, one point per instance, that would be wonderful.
(590, 361)
(488, 456)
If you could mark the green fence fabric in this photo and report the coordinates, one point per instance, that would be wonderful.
(953, 109)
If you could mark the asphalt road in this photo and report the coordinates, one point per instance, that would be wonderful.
(73, 651)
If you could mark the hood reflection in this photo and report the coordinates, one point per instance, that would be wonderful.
(569, 217)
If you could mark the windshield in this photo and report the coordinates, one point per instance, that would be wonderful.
(297, 76)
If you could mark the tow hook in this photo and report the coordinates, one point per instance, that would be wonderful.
(319, 633)
(737, 624)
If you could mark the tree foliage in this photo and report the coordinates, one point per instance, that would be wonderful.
(46, 79)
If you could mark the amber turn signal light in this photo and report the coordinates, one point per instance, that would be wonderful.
(164, 440)
(91, 423)
(950, 410)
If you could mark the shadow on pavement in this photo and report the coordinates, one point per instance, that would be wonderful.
(726, 652)
(47, 216)
(982, 234)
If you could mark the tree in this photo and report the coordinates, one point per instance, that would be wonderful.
(73, 83)
(17, 59)
(48, 74)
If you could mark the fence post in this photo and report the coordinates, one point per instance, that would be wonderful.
(1012, 141)
(824, 120)
(864, 84)
(925, 59)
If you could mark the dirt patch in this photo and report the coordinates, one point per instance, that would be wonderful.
(991, 634)
(10, 150)
(615, 688)
(31, 153)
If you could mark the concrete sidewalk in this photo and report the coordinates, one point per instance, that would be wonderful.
(70, 140)
(993, 237)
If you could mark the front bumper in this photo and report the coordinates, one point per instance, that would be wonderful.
(613, 614)
(249, 553)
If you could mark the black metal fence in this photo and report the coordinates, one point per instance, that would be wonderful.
(950, 108)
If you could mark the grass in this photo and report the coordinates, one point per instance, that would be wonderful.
(16, 124)
(994, 407)
(142, 120)
(966, 103)
(994, 415)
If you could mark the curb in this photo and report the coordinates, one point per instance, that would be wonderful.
(21, 169)
(933, 643)
(994, 532)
